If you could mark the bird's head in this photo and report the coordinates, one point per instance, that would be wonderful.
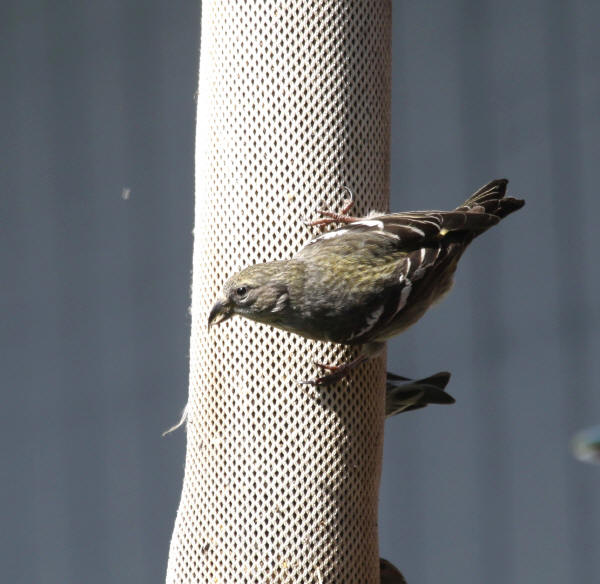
(258, 292)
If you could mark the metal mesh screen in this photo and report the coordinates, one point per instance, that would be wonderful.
(281, 479)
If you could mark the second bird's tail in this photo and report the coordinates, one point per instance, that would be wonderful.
(403, 394)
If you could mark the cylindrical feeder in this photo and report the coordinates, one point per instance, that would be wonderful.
(281, 479)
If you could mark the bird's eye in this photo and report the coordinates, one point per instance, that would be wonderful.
(241, 291)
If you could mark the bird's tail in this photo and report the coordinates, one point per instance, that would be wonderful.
(403, 394)
(482, 210)
(491, 199)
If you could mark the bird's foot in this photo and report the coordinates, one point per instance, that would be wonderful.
(331, 217)
(336, 372)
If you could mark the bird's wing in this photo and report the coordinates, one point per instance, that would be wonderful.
(425, 228)
(412, 229)
(383, 271)
(368, 275)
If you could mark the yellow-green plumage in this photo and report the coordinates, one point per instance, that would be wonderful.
(368, 280)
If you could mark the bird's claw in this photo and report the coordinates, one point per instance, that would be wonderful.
(331, 217)
(337, 372)
(324, 379)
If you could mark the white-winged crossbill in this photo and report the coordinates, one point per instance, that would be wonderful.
(366, 281)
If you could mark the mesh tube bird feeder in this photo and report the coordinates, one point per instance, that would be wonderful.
(281, 479)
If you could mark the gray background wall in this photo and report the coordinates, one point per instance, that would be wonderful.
(99, 96)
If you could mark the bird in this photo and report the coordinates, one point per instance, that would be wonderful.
(389, 574)
(403, 394)
(366, 281)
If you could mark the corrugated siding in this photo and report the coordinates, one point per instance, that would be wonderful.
(98, 97)
(490, 492)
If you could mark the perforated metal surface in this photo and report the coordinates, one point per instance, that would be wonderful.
(281, 479)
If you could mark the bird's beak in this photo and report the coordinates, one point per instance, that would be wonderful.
(220, 312)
